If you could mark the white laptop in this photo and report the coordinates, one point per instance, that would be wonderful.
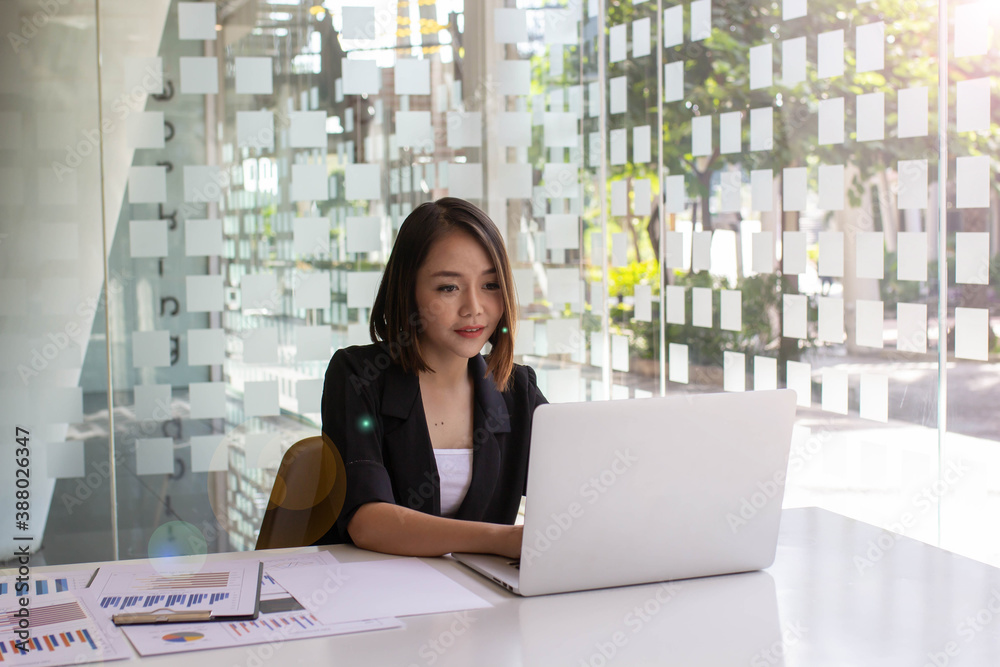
(656, 489)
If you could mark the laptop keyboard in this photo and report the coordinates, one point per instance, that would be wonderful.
(516, 564)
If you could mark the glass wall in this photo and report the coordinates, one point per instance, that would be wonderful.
(198, 199)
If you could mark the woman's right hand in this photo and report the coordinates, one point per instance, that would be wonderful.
(509, 541)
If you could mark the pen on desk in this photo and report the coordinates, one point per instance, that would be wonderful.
(161, 617)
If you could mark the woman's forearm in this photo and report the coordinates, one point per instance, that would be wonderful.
(392, 529)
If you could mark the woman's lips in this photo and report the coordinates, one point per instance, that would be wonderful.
(470, 332)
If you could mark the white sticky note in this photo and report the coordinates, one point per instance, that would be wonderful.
(362, 181)
(701, 136)
(514, 77)
(911, 261)
(701, 20)
(148, 238)
(734, 371)
(618, 147)
(831, 54)
(564, 286)
(762, 190)
(761, 67)
(676, 197)
(413, 130)
(510, 26)
(524, 286)
(701, 307)
(673, 81)
(514, 128)
(972, 37)
(562, 231)
(798, 376)
(312, 343)
(361, 77)
(619, 353)
(641, 144)
(524, 343)
(619, 249)
(870, 47)
(972, 182)
(205, 294)
(561, 26)
(673, 26)
(677, 363)
(794, 188)
(596, 348)
(145, 74)
(793, 60)
(208, 400)
(412, 76)
(831, 121)
(64, 460)
(559, 129)
(617, 43)
(701, 251)
(364, 233)
(255, 129)
(202, 183)
(765, 373)
(619, 197)
(731, 310)
(762, 252)
(762, 129)
(913, 112)
(792, 9)
(869, 323)
(563, 335)
(914, 192)
(972, 258)
(196, 20)
(675, 250)
(312, 290)
(202, 238)
(206, 347)
(793, 253)
(730, 132)
(870, 255)
(260, 398)
(831, 187)
(676, 304)
(199, 76)
(871, 117)
(466, 180)
(311, 236)
(309, 183)
(150, 348)
(874, 397)
(972, 333)
(307, 129)
(514, 180)
(973, 105)
(643, 303)
(147, 185)
(911, 326)
(641, 30)
(209, 453)
(254, 76)
(793, 315)
(154, 456)
(561, 180)
(835, 390)
(831, 254)
(642, 196)
(731, 187)
(358, 23)
(259, 291)
(152, 401)
(144, 129)
(618, 94)
(831, 320)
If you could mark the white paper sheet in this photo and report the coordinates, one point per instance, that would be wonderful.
(260, 399)
(972, 333)
(871, 117)
(618, 94)
(972, 182)
(701, 136)
(831, 254)
(617, 43)
(676, 250)
(761, 67)
(361, 77)
(914, 191)
(794, 188)
(196, 20)
(362, 181)
(731, 191)
(147, 185)
(762, 129)
(254, 76)
(641, 144)
(870, 255)
(147, 238)
(208, 399)
(762, 190)
(731, 132)
(762, 252)
(765, 373)
(831, 121)
(973, 105)
(972, 258)
(311, 236)
(619, 249)
(869, 323)
(673, 81)
(798, 376)
(870, 47)
(379, 589)
(676, 304)
(913, 112)
(701, 307)
(911, 326)
(154, 456)
(793, 315)
(793, 60)
(562, 231)
(972, 36)
(150, 348)
(364, 233)
(619, 353)
(734, 371)
(731, 310)
(204, 294)
(831, 187)
(792, 9)
(911, 256)
(412, 76)
(641, 30)
(510, 26)
(831, 54)
(675, 192)
(199, 76)
(673, 26)
(831, 320)
(834, 390)
(312, 290)
(202, 238)
(701, 20)
(677, 363)
(643, 303)
(874, 397)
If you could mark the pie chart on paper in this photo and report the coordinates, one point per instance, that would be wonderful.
(181, 637)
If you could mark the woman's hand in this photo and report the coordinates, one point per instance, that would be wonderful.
(509, 541)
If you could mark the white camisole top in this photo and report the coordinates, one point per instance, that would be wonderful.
(455, 470)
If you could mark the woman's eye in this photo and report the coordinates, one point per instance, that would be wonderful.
(492, 286)
(447, 288)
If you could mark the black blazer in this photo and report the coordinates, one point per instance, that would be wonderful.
(373, 414)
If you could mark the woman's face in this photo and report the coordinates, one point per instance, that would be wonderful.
(458, 297)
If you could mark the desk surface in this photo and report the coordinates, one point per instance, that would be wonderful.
(840, 592)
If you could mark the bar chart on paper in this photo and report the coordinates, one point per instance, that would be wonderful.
(44, 584)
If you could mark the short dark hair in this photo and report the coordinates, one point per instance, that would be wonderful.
(395, 319)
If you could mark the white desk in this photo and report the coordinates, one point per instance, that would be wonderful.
(818, 605)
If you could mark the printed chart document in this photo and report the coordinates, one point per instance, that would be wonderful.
(64, 630)
(358, 591)
(171, 590)
(44, 583)
(281, 618)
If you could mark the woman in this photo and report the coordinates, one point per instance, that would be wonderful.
(434, 437)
